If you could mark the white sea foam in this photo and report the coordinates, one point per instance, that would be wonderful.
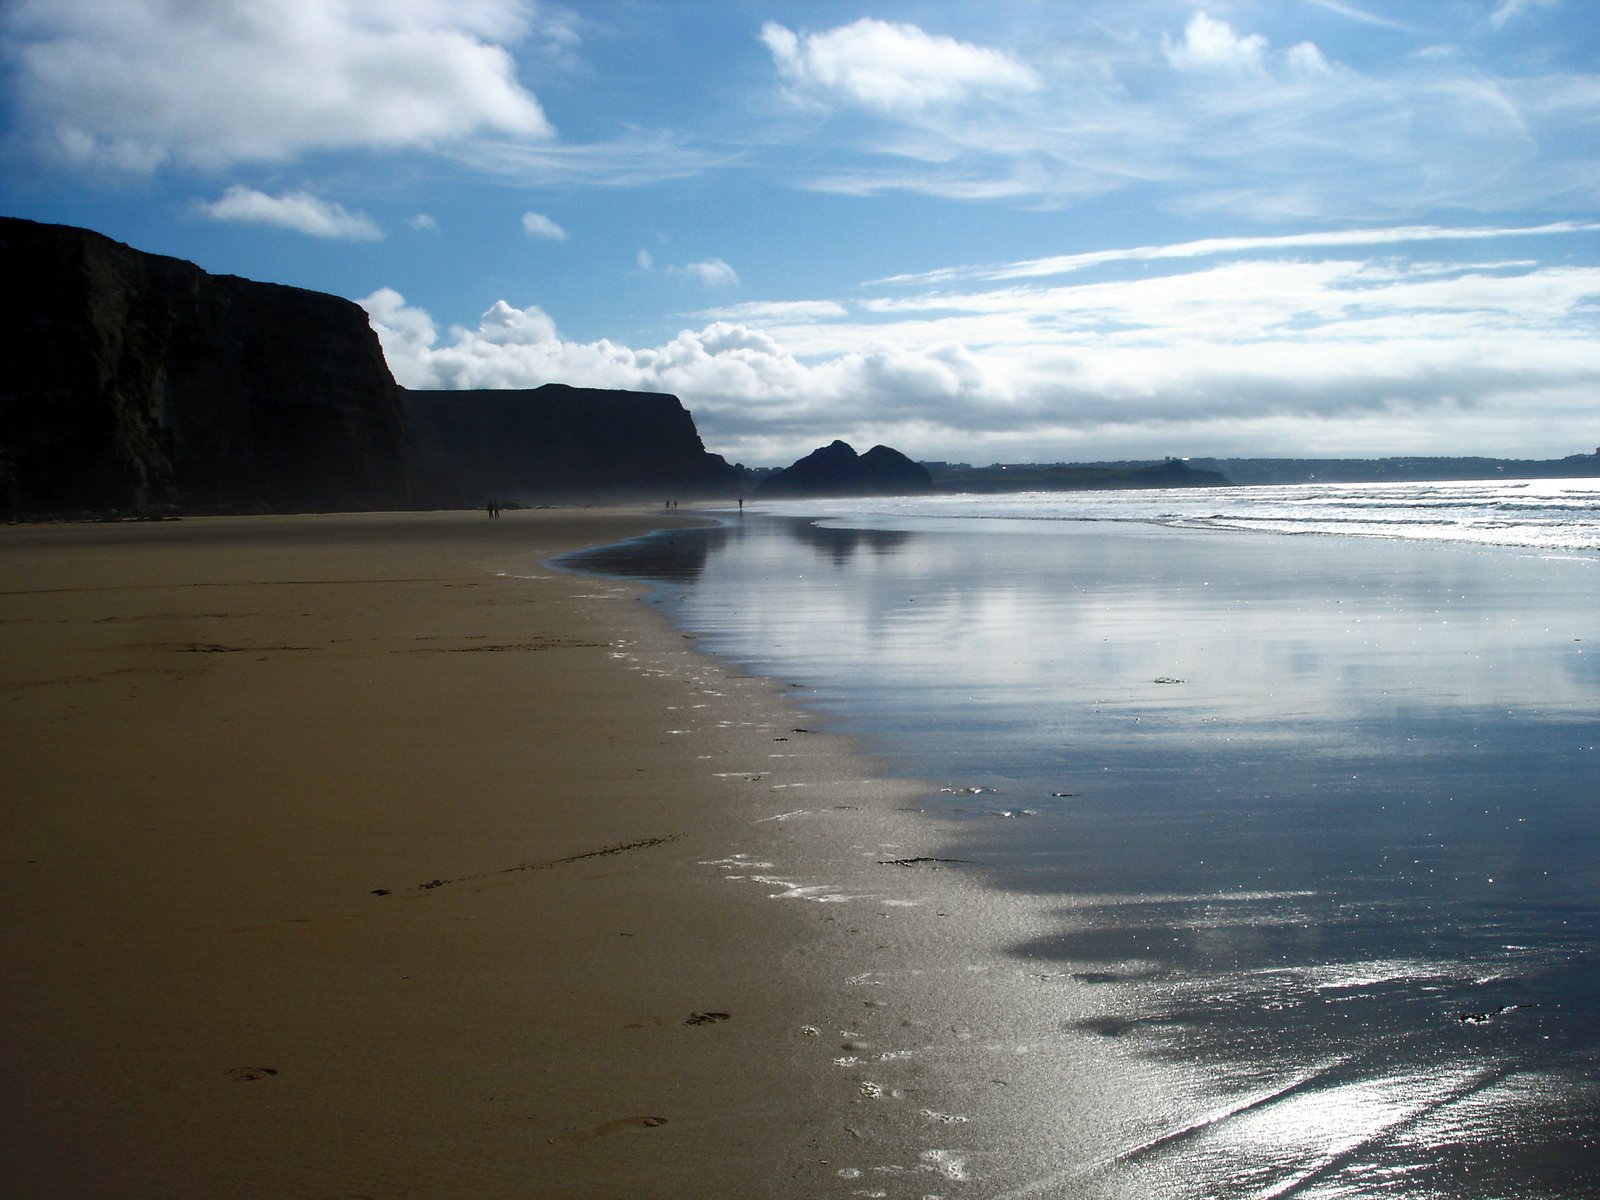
(1555, 515)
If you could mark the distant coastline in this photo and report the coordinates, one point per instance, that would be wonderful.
(1408, 469)
(1247, 472)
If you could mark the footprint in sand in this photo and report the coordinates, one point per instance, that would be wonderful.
(707, 1018)
(618, 1126)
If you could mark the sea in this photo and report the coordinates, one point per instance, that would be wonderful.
(1308, 776)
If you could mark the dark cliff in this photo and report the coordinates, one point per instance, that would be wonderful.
(837, 470)
(559, 442)
(131, 382)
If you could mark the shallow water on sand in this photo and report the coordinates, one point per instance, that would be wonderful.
(1317, 820)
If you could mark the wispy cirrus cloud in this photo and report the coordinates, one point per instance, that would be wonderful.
(1364, 15)
(1204, 118)
(301, 212)
(1509, 10)
(636, 159)
(1062, 264)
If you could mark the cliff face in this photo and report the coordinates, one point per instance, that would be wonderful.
(558, 442)
(837, 470)
(133, 382)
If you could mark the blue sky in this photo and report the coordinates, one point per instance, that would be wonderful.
(1023, 230)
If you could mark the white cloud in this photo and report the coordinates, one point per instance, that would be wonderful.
(503, 325)
(424, 222)
(638, 158)
(1305, 59)
(1360, 14)
(132, 85)
(644, 261)
(1203, 120)
(540, 226)
(299, 211)
(1208, 43)
(1509, 10)
(1257, 356)
(1399, 235)
(408, 334)
(776, 311)
(888, 66)
(713, 273)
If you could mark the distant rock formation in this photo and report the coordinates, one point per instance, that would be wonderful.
(558, 442)
(837, 470)
(135, 383)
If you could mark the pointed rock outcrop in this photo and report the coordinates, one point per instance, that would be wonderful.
(837, 470)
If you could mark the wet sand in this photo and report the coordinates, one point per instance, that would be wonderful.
(365, 856)
(1311, 817)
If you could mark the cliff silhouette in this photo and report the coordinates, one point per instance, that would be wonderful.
(837, 470)
(558, 442)
(135, 384)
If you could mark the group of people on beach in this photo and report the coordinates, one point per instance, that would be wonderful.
(672, 505)
(492, 507)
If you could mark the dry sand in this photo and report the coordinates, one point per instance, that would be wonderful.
(366, 856)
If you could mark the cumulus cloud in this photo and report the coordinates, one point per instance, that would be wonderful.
(540, 226)
(1247, 354)
(1208, 42)
(890, 66)
(299, 211)
(712, 272)
(133, 85)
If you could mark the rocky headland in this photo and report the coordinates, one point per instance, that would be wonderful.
(136, 383)
(837, 470)
(133, 384)
(557, 442)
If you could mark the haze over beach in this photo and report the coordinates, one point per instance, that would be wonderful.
(1016, 232)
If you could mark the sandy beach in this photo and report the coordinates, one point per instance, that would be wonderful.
(366, 856)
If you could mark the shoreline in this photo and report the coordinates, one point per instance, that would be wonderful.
(368, 855)
(1276, 889)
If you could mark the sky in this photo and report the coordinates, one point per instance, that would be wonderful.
(1015, 231)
